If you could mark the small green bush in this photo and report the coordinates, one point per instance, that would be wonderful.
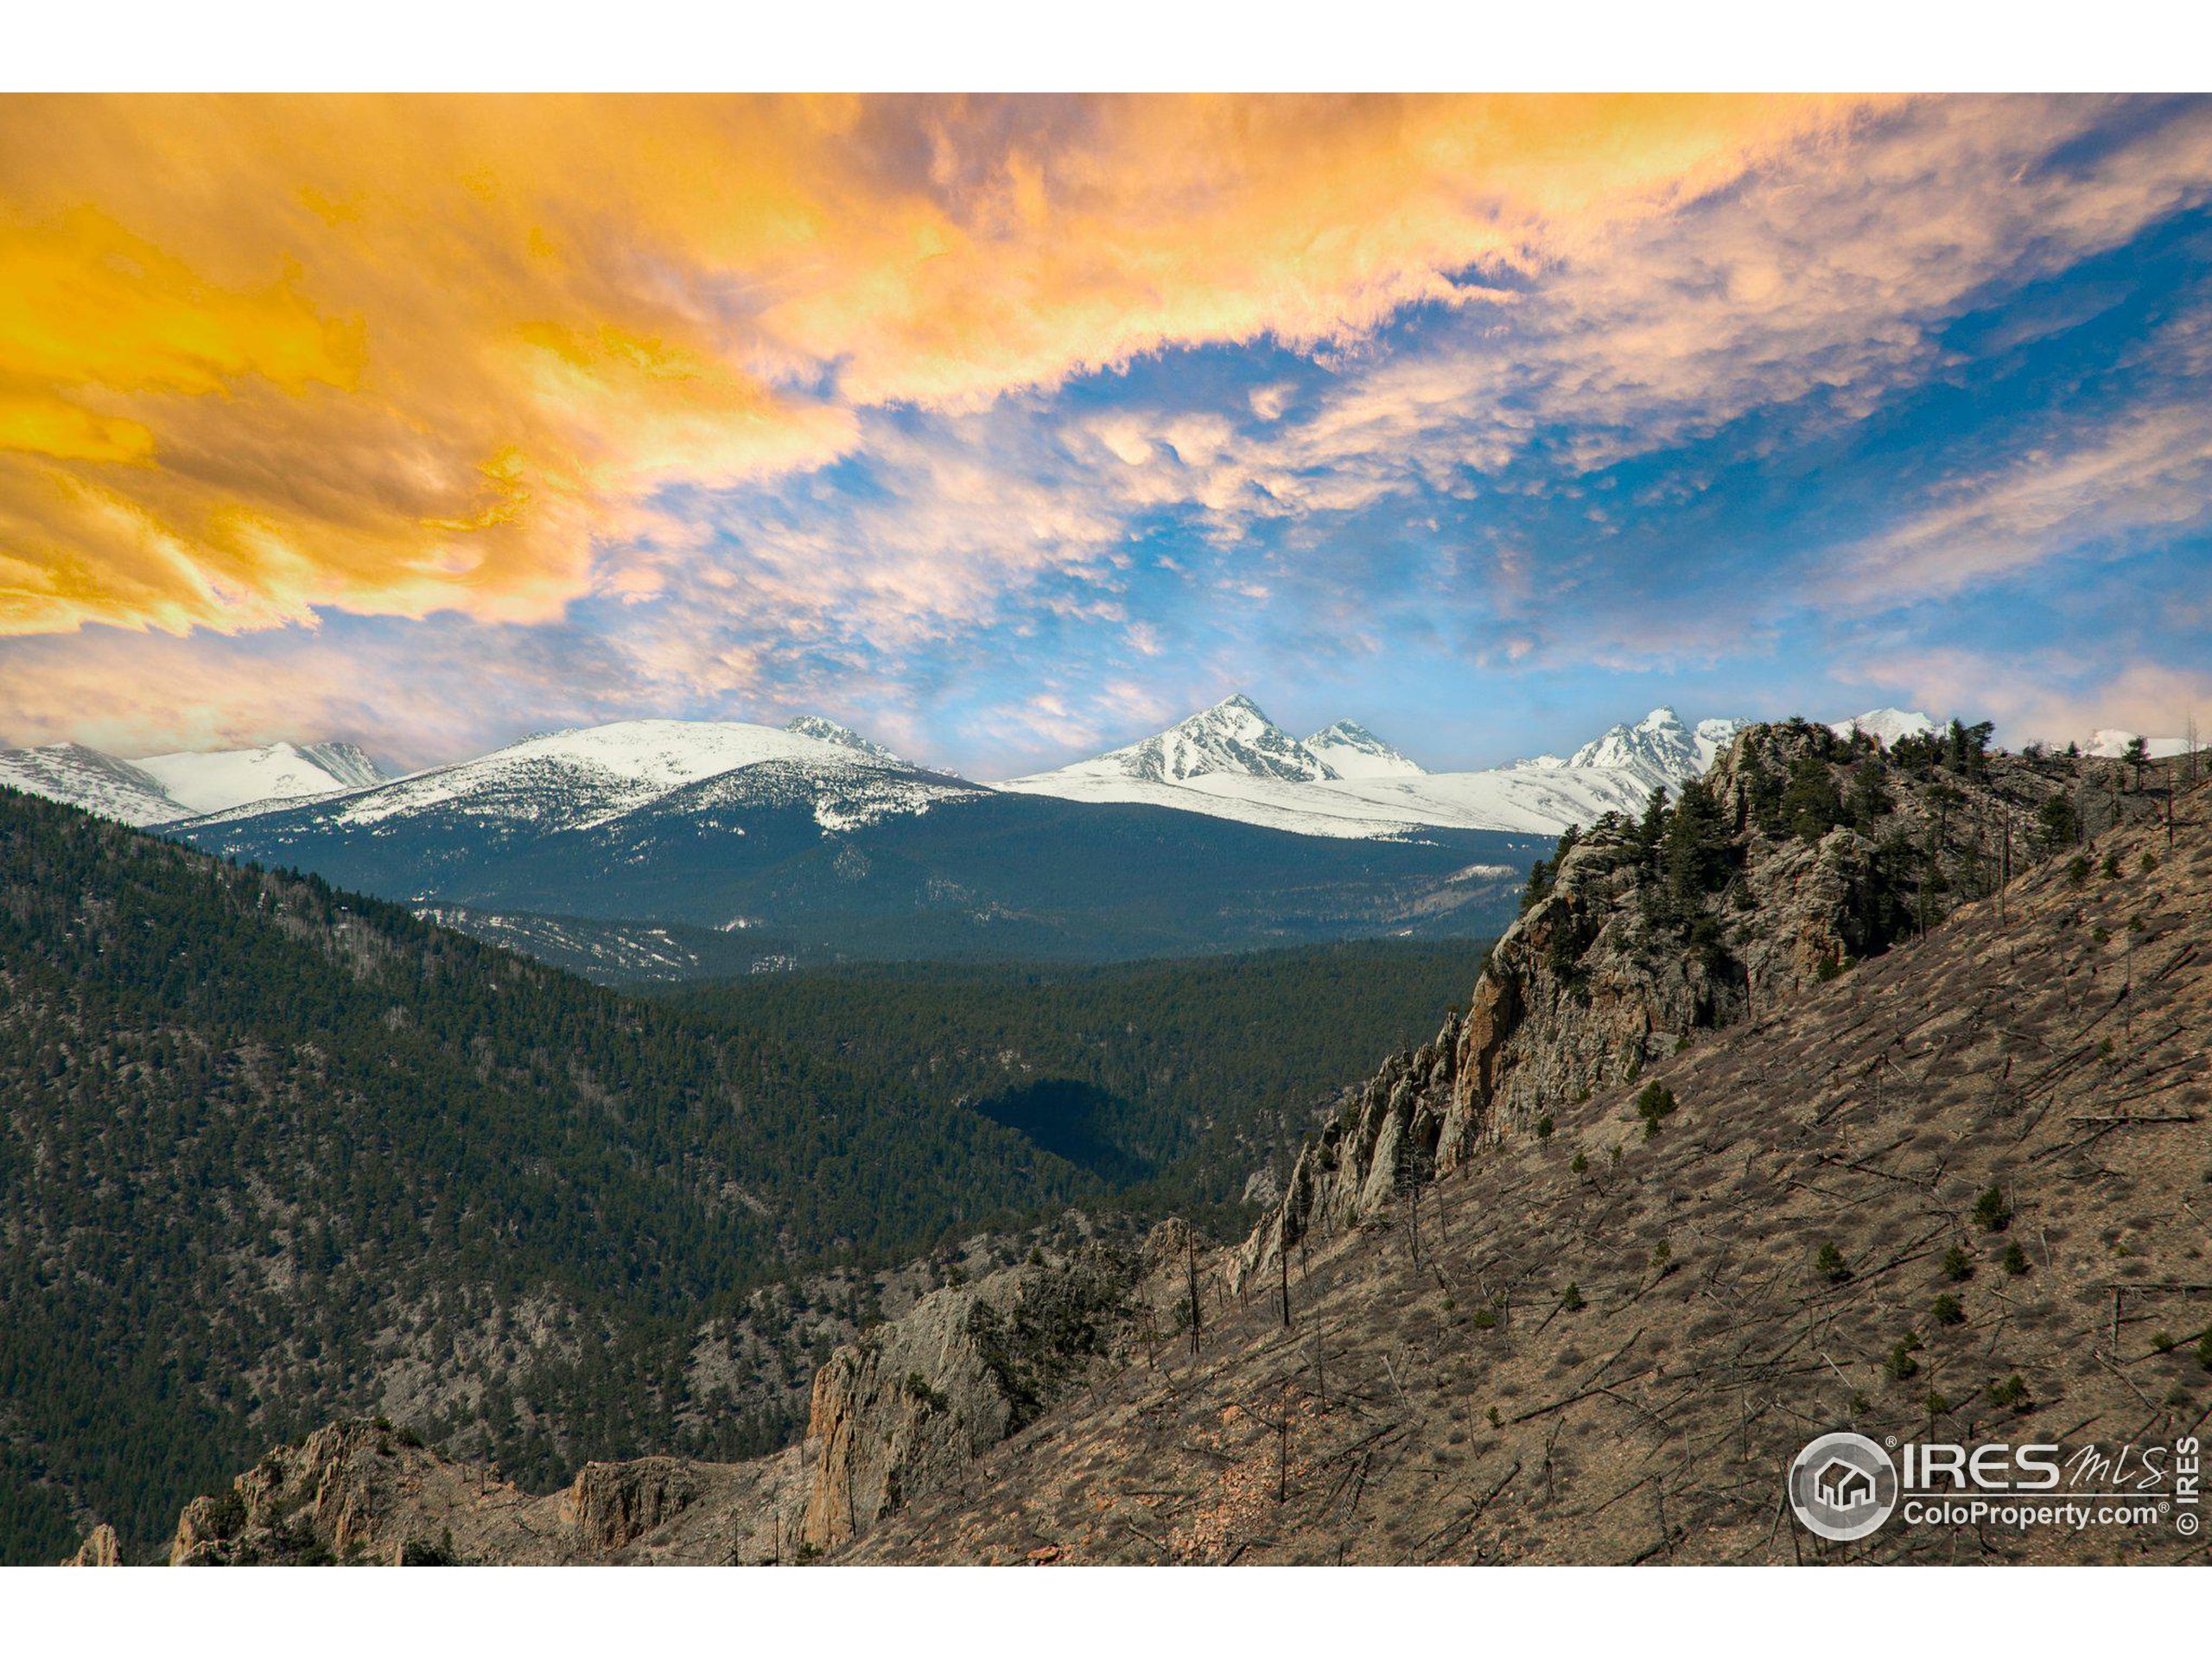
(2016, 1259)
(1958, 1266)
(1654, 1105)
(1991, 1213)
(2012, 1392)
(1831, 1265)
(1901, 1364)
(1570, 1300)
(1946, 1309)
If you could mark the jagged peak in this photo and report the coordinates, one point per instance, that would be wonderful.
(1356, 751)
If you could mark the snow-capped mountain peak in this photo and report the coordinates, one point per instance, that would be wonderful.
(1350, 750)
(1659, 749)
(1887, 725)
(829, 731)
(1233, 737)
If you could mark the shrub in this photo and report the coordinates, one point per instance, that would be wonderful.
(1946, 1309)
(1901, 1363)
(1581, 1163)
(1991, 1213)
(1483, 1318)
(2111, 866)
(2165, 1342)
(1544, 1127)
(2016, 1259)
(2204, 1349)
(2013, 1392)
(1654, 1105)
(1570, 1300)
(1958, 1266)
(2077, 869)
(1831, 1265)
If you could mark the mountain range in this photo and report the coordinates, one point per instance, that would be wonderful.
(1232, 761)
(669, 849)
(820, 845)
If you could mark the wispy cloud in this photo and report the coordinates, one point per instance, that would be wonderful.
(1005, 423)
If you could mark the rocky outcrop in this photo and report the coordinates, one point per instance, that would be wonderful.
(909, 1404)
(918, 1400)
(364, 1492)
(611, 1505)
(903, 1411)
(101, 1548)
(1799, 853)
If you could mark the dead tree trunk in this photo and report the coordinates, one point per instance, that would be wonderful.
(1191, 1266)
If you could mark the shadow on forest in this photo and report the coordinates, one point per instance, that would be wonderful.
(1070, 1119)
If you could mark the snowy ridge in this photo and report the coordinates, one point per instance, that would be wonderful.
(829, 731)
(1887, 725)
(80, 777)
(1658, 749)
(1232, 737)
(1350, 750)
(1344, 781)
(595, 775)
(217, 780)
(164, 788)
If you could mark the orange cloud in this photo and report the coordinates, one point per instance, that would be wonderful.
(260, 356)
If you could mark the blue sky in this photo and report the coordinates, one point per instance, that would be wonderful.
(1908, 404)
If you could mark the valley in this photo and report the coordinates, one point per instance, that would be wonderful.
(1704, 1163)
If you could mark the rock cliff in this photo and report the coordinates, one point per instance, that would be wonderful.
(904, 1409)
(1800, 852)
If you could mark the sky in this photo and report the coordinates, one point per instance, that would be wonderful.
(1010, 430)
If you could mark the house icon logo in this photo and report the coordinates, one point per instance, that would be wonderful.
(1843, 1486)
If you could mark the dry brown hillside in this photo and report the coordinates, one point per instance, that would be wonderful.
(1958, 1192)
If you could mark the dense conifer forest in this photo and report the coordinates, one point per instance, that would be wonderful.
(269, 1151)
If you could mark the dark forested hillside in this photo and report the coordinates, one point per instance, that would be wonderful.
(267, 1146)
(270, 1152)
(1175, 1080)
(980, 876)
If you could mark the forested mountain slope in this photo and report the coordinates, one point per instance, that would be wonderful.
(271, 1152)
